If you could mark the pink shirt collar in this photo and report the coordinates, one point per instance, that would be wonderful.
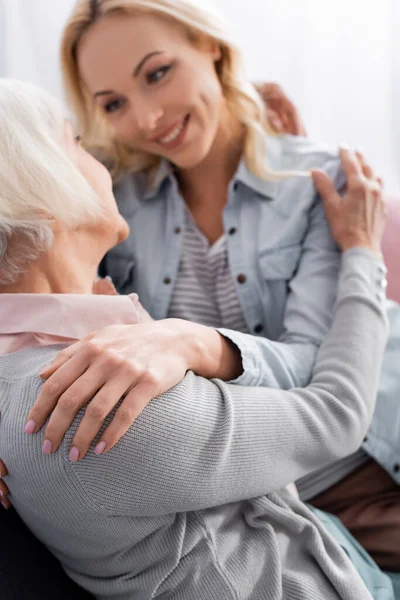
(28, 320)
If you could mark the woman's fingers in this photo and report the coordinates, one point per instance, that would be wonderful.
(4, 501)
(131, 407)
(104, 287)
(70, 403)
(61, 358)
(282, 114)
(275, 121)
(96, 413)
(3, 469)
(53, 389)
(351, 164)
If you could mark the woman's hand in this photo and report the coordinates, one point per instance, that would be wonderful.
(4, 501)
(357, 218)
(133, 362)
(282, 114)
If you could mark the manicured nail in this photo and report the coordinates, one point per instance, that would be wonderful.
(108, 278)
(74, 454)
(344, 146)
(1, 494)
(47, 447)
(4, 505)
(100, 448)
(30, 426)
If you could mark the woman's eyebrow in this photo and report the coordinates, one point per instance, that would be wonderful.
(144, 60)
(136, 72)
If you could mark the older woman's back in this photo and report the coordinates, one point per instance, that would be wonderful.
(168, 511)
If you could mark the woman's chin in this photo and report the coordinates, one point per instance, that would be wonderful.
(190, 158)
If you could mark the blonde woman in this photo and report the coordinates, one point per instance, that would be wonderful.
(190, 503)
(227, 231)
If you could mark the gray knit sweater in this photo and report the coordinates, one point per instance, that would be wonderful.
(188, 506)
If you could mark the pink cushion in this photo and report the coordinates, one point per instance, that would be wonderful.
(391, 248)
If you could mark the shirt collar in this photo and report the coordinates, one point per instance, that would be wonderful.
(70, 316)
(265, 188)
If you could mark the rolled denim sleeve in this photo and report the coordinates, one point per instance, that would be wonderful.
(288, 362)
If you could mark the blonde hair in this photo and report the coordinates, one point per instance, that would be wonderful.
(38, 180)
(201, 19)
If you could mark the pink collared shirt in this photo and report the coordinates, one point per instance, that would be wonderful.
(29, 320)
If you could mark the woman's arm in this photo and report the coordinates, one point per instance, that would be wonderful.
(141, 362)
(206, 443)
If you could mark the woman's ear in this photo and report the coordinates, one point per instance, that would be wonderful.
(216, 51)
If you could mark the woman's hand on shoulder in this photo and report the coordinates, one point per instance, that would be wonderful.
(358, 217)
(134, 362)
(282, 114)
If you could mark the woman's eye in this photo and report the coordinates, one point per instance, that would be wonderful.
(113, 106)
(158, 75)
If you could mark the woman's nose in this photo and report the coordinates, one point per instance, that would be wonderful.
(147, 118)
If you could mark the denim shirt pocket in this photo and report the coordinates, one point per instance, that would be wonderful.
(277, 267)
(279, 263)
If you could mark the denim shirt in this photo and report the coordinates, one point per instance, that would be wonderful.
(284, 264)
(283, 260)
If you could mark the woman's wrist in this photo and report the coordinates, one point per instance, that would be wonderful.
(362, 243)
(208, 353)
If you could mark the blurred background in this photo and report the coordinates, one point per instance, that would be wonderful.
(339, 61)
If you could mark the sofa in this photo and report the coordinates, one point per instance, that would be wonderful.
(27, 569)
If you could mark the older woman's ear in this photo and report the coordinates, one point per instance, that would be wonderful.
(282, 114)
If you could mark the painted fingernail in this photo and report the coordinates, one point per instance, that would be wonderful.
(30, 426)
(344, 146)
(74, 454)
(100, 448)
(4, 505)
(1, 494)
(47, 447)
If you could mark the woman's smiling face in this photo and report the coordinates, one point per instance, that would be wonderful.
(159, 91)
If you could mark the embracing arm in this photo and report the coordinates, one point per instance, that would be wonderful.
(205, 443)
(288, 362)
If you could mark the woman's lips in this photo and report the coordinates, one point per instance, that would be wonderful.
(174, 135)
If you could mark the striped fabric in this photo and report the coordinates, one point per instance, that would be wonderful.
(204, 291)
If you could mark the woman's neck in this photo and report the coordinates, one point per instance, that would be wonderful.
(208, 182)
(69, 267)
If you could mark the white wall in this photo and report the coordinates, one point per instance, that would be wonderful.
(338, 59)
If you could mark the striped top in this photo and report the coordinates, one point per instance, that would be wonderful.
(204, 291)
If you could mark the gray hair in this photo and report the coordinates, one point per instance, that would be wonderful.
(39, 182)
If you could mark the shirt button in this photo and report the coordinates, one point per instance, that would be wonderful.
(177, 230)
(365, 439)
(232, 231)
(258, 328)
(167, 280)
(382, 269)
(235, 186)
(381, 296)
(241, 278)
(396, 468)
(383, 283)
